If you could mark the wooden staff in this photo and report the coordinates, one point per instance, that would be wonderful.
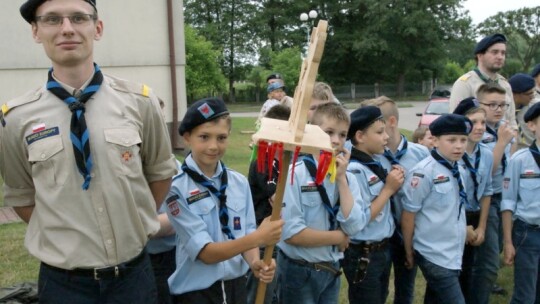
(294, 132)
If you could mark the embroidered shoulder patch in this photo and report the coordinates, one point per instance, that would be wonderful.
(506, 182)
(173, 206)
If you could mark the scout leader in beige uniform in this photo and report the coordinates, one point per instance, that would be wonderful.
(490, 54)
(88, 172)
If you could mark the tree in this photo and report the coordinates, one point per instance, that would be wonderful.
(288, 63)
(451, 72)
(203, 74)
(523, 23)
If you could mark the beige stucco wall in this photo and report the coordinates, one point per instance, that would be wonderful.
(134, 46)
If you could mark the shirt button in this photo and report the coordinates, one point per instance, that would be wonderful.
(43, 156)
(126, 141)
(92, 175)
(100, 210)
(109, 242)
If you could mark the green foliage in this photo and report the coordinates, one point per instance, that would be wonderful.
(470, 65)
(523, 23)
(451, 72)
(203, 74)
(288, 62)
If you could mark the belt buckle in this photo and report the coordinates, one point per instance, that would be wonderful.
(361, 270)
(96, 272)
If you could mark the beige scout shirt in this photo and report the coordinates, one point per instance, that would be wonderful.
(110, 222)
(468, 84)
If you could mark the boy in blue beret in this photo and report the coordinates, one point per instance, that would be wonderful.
(478, 163)
(435, 200)
(367, 262)
(210, 207)
(521, 215)
(523, 90)
(535, 73)
(398, 152)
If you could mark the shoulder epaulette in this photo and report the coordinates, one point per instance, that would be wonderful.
(465, 77)
(19, 101)
(130, 87)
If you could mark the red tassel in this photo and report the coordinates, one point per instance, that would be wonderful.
(324, 163)
(279, 150)
(272, 148)
(295, 158)
(261, 155)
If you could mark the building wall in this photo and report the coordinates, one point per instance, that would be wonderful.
(134, 46)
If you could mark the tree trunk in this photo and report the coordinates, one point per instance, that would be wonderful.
(401, 85)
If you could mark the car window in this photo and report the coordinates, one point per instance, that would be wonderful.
(437, 108)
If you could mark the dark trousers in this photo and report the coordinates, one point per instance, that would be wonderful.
(469, 255)
(135, 286)
(231, 292)
(164, 265)
(404, 278)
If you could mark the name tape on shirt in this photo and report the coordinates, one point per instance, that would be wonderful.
(197, 197)
(41, 135)
(441, 179)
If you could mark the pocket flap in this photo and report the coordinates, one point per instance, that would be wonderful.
(122, 136)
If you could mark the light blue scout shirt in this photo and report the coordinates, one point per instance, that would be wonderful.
(497, 178)
(383, 225)
(303, 208)
(415, 153)
(483, 176)
(433, 194)
(166, 243)
(194, 215)
(521, 193)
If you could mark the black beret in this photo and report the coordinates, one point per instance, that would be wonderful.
(532, 112)
(448, 124)
(362, 118)
(274, 76)
(28, 9)
(488, 41)
(466, 105)
(521, 83)
(202, 111)
(535, 71)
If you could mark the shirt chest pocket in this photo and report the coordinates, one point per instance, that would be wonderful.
(124, 151)
(375, 190)
(47, 161)
(443, 192)
(203, 207)
(310, 199)
(529, 188)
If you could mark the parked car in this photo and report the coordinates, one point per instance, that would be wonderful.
(435, 108)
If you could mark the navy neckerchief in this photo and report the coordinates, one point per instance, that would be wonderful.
(534, 151)
(368, 161)
(473, 170)
(80, 138)
(220, 194)
(484, 78)
(455, 172)
(332, 211)
(394, 160)
(503, 159)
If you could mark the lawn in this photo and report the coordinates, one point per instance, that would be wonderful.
(16, 265)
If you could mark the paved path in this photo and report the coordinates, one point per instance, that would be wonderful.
(7, 215)
(407, 116)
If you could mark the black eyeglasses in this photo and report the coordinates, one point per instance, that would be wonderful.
(57, 20)
(494, 106)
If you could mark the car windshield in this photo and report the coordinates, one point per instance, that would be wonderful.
(437, 108)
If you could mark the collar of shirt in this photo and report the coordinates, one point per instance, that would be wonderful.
(190, 162)
(71, 89)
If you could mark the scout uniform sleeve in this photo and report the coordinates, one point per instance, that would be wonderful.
(460, 90)
(156, 152)
(292, 212)
(511, 185)
(360, 213)
(488, 159)
(416, 188)
(192, 231)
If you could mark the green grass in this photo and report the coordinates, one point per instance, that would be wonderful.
(16, 265)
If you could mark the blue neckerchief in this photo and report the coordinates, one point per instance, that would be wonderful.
(455, 172)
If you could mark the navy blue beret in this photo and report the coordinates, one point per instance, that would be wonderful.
(28, 9)
(535, 71)
(274, 86)
(202, 111)
(521, 83)
(466, 105)
(362, 118)
(450, 124)
(488, 41)
(532, 112)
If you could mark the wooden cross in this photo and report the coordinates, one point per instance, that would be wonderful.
(295, 132)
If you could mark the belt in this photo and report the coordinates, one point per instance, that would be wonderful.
(369, 247)
(324, 266)
(99, 273)
(497, 195)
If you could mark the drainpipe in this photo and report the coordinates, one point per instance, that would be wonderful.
(172, 64)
